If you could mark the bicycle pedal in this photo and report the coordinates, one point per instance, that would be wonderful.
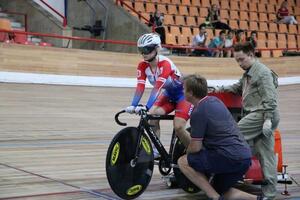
(170, 181)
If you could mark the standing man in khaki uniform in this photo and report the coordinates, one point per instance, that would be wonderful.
(260, 114)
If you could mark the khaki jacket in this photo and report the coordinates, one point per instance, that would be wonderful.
(258, 90)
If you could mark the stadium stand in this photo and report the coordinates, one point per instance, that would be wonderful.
(258, 15)
(183, 17)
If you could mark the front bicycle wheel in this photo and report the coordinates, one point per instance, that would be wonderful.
(126, 178)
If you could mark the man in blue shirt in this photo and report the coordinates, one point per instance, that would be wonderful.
(217, 42)
(217, 146)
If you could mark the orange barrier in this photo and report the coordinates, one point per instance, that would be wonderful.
(278, 150)
(5, 25)
(19, 14)
(254, 174)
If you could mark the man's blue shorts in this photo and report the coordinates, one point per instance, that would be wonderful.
(227, 172)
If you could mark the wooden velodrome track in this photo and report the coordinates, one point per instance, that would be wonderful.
(53, 139)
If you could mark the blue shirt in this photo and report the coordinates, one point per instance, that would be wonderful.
(215, 43)
(212, 123)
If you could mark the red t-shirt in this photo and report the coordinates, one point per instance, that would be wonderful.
(282, 12)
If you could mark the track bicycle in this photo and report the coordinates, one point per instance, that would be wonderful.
(130, 161)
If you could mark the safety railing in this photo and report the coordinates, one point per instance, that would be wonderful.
(140, 16)
(56, 12)
(69, 37)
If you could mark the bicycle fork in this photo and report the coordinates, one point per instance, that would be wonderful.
(138, 147)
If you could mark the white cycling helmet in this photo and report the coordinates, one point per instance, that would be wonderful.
(147, 43)
(149, 39)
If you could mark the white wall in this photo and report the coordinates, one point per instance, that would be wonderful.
(17, 77)
(58, 5)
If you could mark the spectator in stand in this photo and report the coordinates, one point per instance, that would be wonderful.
(159, 26)
(217, 44)
(253, 41)
(199, 40)
(151, 19)
(283, 15)
(213, 18)
(239, 37)
(229, 44)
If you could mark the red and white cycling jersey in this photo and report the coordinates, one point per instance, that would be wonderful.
(166, 71)
(165, 76)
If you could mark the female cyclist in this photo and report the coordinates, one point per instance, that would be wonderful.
(167, 94)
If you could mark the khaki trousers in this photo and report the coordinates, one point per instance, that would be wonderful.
(263, 147)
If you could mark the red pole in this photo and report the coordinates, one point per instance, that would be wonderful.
(59, 14)
(64, 22)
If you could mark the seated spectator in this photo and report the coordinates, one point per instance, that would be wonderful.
(159, 27)
(239, 37)
(217, 44)
(229, 44)
(213, 18)
(283, 15)
(199, 40)
(253, 41)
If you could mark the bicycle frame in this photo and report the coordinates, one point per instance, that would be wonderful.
(144, 125)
